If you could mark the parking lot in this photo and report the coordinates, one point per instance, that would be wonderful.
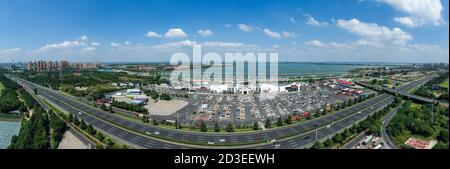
(244, 110)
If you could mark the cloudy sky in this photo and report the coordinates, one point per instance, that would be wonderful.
(145, 31)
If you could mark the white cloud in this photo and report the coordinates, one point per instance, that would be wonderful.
(288, 34)
(113, 44)
(84, 38)
(153, 34)
(12, 50)
(175, 33)
(313, 22)
(245, 28)
(205, 33)
(420, 12)
(315, 43)
(283, 34)
(127, 43)
(88, 49)
(63, 45)
(95, 44)
(272, 34)
(375, 33)
(189, 43)
(292, 19)
(223, 44)
(176, 44)
(407, 21)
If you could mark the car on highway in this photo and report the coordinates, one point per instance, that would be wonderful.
(148, 133)
(79, 113)
(210, 143)
(156, 132)
(222, 140)
(277, 145)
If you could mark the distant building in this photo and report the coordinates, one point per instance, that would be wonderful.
(136, 102)
(133, 92)
(345, 83)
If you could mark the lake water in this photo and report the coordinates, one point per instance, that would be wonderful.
(7, 130)
(302, 69)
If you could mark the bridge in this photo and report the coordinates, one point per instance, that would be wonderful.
(403, 90)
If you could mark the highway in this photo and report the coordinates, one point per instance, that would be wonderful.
(387, 139)
(135, 132)
(203, 138)
(324, 133)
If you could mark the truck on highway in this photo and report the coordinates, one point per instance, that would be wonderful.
(378, 146)
(367, 139)
(376, 141)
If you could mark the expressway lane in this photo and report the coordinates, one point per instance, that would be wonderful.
(202, 138)
(107, 122)
(323, 133)
(387, 139)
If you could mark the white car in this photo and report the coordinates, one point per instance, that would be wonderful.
(148, 133)
(328, 126)
(157, 132)
(222, 140)
(79, 113)
(210, 142)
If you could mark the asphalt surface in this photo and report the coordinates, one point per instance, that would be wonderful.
(103, 121)
(387, 139)
(203, 138)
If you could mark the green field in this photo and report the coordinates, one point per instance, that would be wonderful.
(2, 87)
(443, 84)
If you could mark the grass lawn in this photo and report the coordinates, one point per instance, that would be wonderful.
(416, 106)
(1, 87)
(443, 84)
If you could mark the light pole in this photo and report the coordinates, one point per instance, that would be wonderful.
(316, 135)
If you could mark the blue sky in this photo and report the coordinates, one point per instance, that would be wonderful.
(138, 30)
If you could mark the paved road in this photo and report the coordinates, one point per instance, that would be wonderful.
(389, 144)
(351, 144)
(203, 138)
(104, 120)
(322, 134)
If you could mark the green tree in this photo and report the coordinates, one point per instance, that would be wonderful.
(165, 96)
(83, 125)
(280, 122)
(443, 135)
(76, 121)
(90, 130)
(229, 128)
(103, 107)
(268, 123)
(203, 127)
(318, 145)
(145, 119)
(216, 127)
(155, 122)
(99, 136)
(70, 118)
(255, 126)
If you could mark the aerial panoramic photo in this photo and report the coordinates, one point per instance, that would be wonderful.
(224, 75)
